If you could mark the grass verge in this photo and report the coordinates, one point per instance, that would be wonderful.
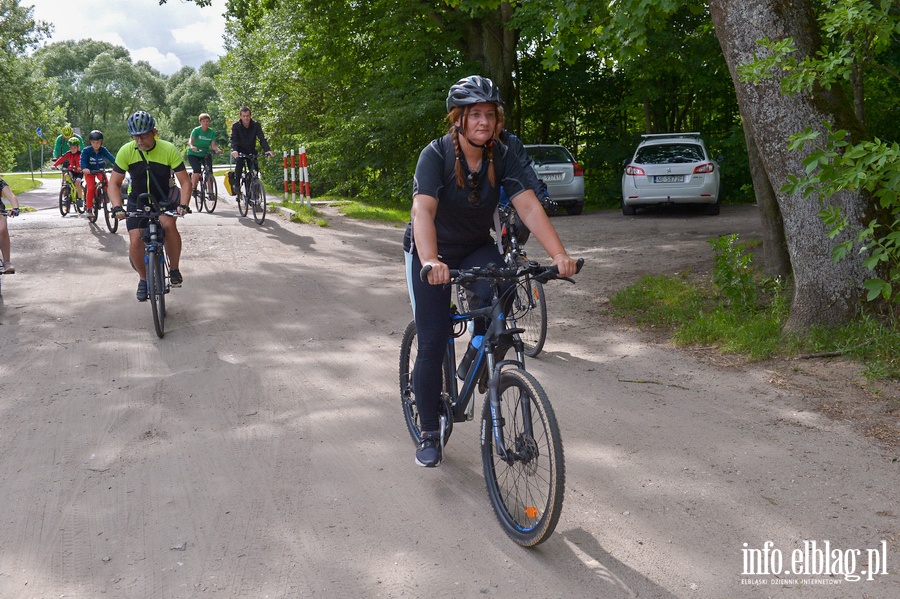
(20, 183)
(742, 314)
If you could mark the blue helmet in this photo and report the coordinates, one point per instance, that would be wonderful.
(140, 122)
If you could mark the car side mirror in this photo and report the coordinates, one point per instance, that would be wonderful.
(626, 161)
(720, 158)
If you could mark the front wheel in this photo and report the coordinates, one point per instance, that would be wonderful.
(64, 201)
(409, 349)
(243, 200)
(530, 310)
(258, 195)
(526, 477)
(156, 292)
(112, 223)
(198, 196)
(212, 193)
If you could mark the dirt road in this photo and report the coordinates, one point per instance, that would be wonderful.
(258, 450)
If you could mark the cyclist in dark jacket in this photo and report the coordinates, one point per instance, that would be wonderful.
(244, 134)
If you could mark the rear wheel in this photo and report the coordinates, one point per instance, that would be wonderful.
(64, 201)
(530, 311)
(714, 209)
(575, 209)
(258, 195)
(212, 193)
(628, 210)
(526, 478)
(408, 352)
(156, 292)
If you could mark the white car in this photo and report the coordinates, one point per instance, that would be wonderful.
(671, 168)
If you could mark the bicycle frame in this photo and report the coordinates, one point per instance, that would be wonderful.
(251, 170)
(68, 183)
(498, 334)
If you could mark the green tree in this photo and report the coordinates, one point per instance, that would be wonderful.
(99, 86)
(192, 95)
(24, 106)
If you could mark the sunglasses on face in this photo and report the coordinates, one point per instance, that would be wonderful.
(472, 181)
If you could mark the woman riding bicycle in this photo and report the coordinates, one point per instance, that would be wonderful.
(456, 191)
(202, 142)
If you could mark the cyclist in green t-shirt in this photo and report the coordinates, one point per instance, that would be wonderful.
(203, 140)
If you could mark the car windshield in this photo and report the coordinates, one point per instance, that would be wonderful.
(669, 154)
(545, 154)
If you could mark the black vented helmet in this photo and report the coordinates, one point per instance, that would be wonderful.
(95, 134)
(140, 122)
(472, 90)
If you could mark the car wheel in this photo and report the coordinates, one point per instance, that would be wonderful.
(628, 210)
(713, 209)
(575, 209)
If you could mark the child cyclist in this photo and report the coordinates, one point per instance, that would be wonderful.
(93, 164)
(73, 157)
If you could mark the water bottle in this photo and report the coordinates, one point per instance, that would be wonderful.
(474, 344)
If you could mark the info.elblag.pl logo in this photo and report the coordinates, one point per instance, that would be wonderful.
(815, 563)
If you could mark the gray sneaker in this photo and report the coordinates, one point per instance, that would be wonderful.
(428, 454)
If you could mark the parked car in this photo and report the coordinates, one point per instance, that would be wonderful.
(671, 168)
(564, 177)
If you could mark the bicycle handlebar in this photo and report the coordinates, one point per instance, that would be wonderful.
(492, 271)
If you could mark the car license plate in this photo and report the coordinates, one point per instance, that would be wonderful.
(552, 177)
(668, 178)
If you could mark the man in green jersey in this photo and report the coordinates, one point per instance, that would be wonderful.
(150, 162)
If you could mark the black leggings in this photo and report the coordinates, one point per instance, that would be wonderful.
(431, 306)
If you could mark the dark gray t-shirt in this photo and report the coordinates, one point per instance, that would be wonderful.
(460, 226)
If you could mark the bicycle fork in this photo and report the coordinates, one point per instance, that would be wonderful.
(508, 454)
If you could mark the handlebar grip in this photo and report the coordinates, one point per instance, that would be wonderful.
(423, 274)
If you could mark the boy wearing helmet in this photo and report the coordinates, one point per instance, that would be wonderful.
(72, 161)
(150, 162)
(62, 141)
(93, 164)
(456, 190)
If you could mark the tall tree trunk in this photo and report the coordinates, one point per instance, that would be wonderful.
(492, 44)
(824, 292)
(776, 258)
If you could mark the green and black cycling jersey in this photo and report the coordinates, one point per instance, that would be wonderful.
(160, 163)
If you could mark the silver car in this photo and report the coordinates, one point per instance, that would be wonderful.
(564, 177)
(671, 168)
